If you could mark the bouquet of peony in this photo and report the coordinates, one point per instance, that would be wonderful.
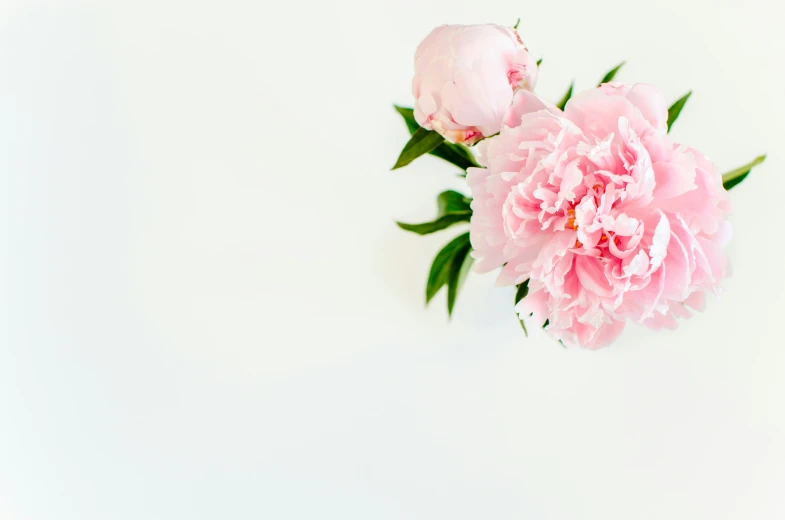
(587, 205)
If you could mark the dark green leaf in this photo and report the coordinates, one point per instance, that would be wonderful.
(612, 73)
(523, 290)
(516, 24)
(451, 202)
(422, 142)
(539, 62)
(440, 269)
(675, 109)
(440, 223)
(408, 116)
(459, 269)
(520, 294)
(455, 154)
(546, 323)
(734, 177)
(453, 207)
(563, 103)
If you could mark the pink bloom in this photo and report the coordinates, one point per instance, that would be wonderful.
(465, 78)
(601, 211)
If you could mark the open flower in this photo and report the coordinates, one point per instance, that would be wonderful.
(465, 78)
(601, 211)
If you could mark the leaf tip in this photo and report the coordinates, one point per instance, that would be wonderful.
(400, 163)
(523, 326)
(612, 73)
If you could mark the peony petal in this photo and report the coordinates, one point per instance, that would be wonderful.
(592, 276)
(659, 243)
(697, 301)
(525, 102)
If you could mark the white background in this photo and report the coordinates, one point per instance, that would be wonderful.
(207, 311)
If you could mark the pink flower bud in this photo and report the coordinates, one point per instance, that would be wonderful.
(465, 78)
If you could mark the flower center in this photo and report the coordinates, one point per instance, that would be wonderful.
(571, 219)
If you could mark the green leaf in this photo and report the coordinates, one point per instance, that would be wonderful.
(440, 269)
(459, 269)
(456, 154)
(734, 177)
(426, 228)
(675, 109)
(516, 24)
(453, 207)
(563, 103)
(451, 202)
(408, 116)
(612, 73)
(422, 142)
(523, 326)
(546, 323)
(539, 62)
(520, 294)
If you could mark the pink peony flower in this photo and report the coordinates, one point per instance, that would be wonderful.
(601, 211)
(465, 78)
